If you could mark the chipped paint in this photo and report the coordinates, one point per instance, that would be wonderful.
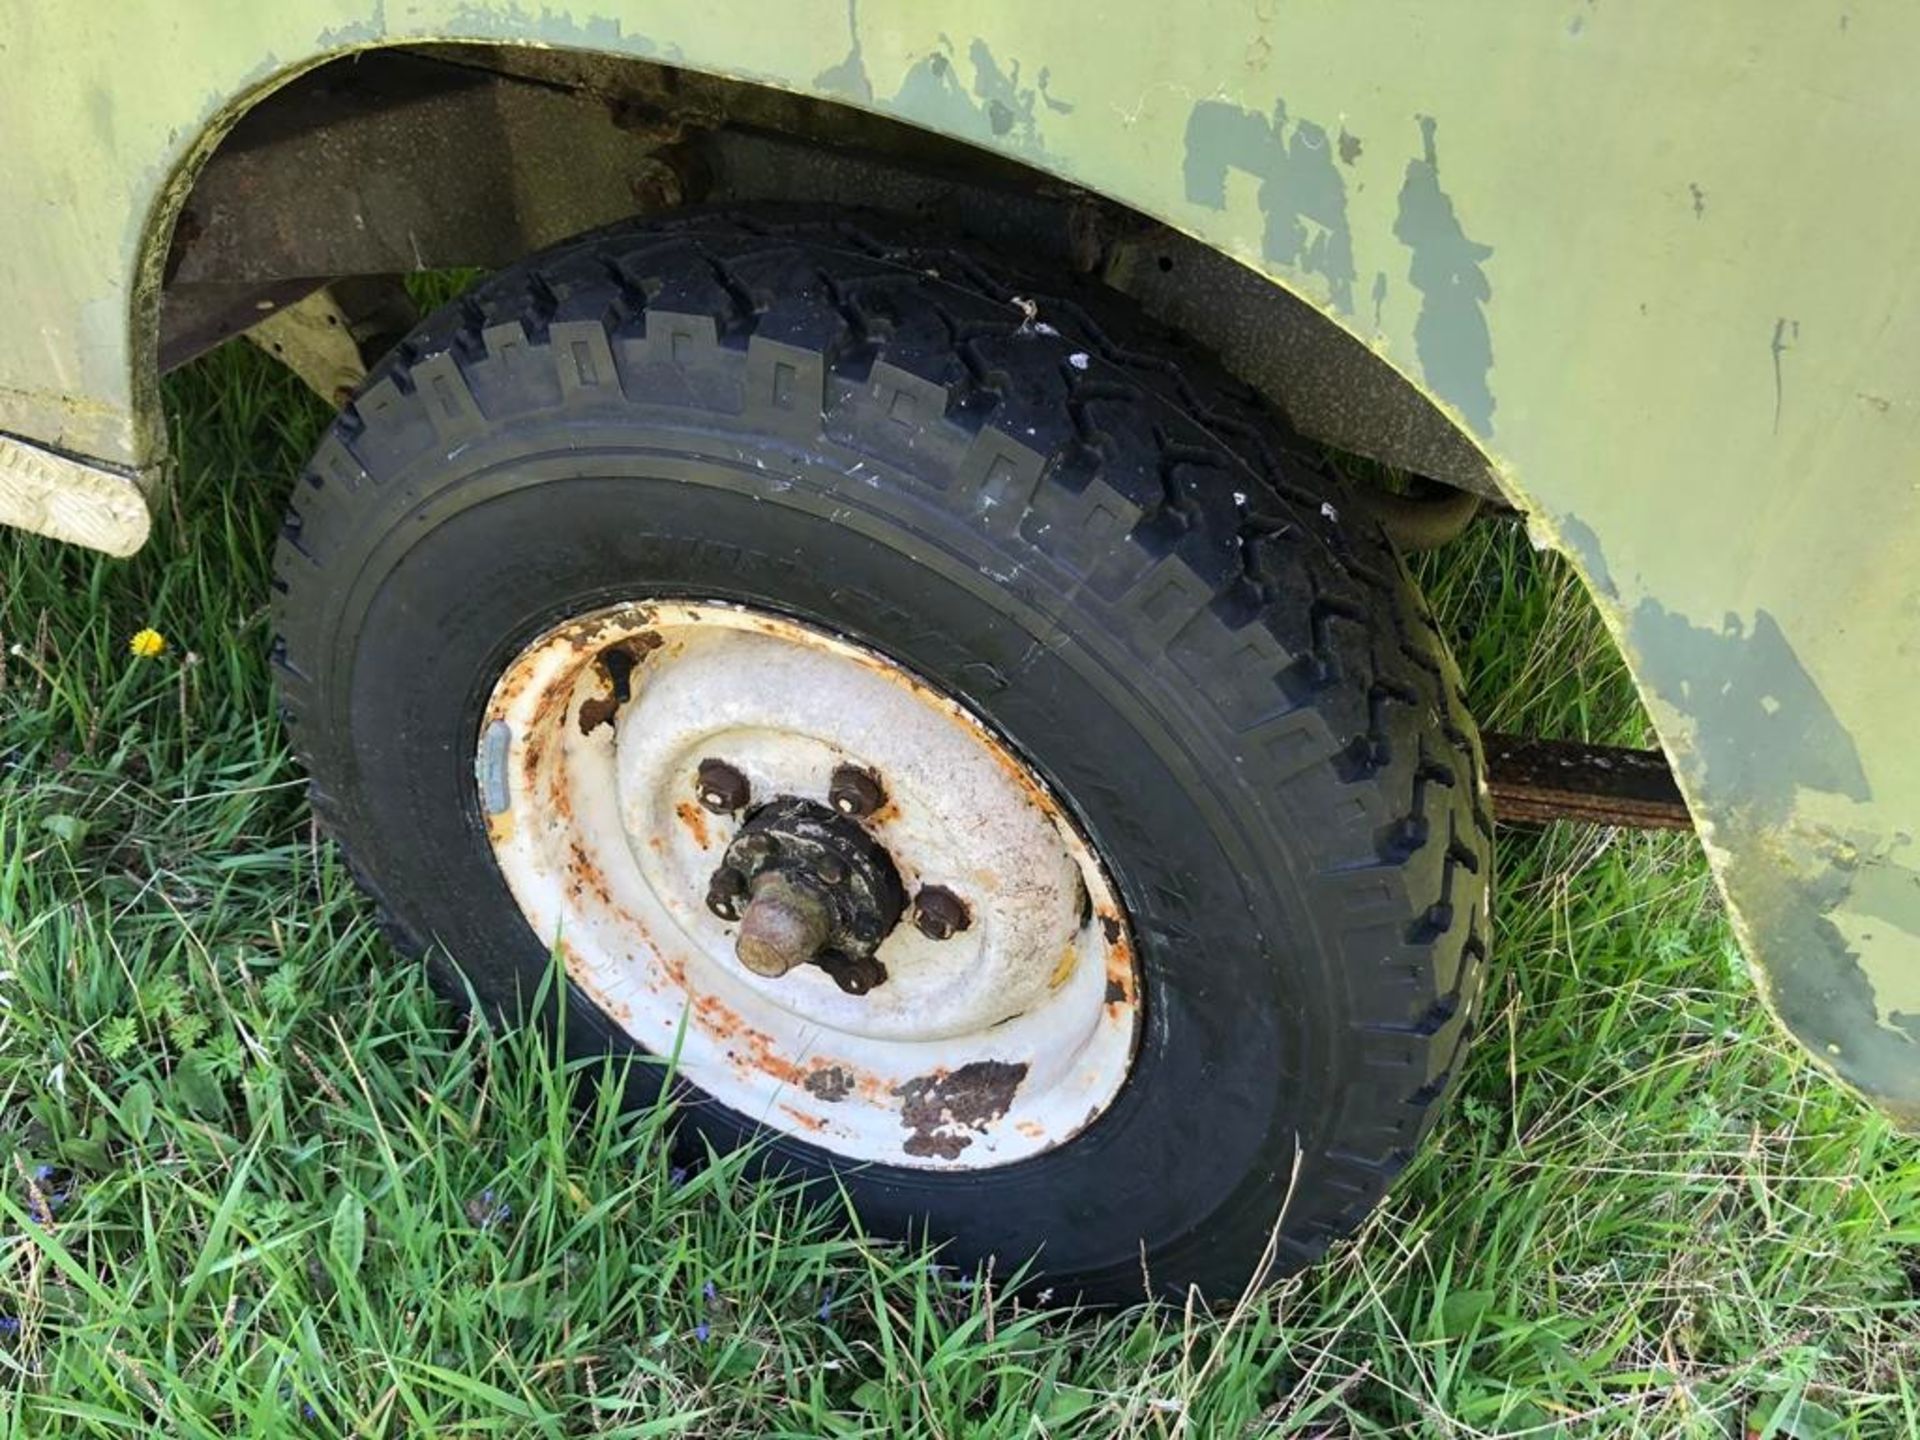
(830, 1083)
(1841, 969)
(1764, 730)
(1301, 194)
(939, 1110)
(1448, 269)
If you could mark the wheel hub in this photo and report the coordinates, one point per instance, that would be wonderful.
(829, 889)
(809, 886)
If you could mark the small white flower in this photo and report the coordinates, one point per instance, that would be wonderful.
(1078, 359)
(1326, 509)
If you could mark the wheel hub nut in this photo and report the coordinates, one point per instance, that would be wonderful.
(786, 925)
(938, 913)
(855, 792)
(722, 789)
(809, 886)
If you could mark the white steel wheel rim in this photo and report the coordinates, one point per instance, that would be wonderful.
(990, 1046)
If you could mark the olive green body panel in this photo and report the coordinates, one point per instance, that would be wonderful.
(1660, 261)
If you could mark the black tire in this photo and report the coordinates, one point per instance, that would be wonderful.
(1222, 667)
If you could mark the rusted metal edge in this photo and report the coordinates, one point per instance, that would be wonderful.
(1534, 781)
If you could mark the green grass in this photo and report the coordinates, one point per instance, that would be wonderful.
(291, 1193)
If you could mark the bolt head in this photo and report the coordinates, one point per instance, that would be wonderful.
(725, 893)
(939, 914)
(855, 792)
(721, 788)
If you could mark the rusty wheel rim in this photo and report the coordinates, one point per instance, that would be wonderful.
(628, 763)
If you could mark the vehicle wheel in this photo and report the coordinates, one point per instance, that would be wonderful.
(970, 728)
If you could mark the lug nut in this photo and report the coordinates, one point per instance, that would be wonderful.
(938, 913)
(722, 788)
(855, 792)
(725, 891)
(855, 977)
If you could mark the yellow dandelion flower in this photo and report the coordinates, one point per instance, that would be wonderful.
(148, 644)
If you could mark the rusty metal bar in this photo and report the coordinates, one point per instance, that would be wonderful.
(1534, 781)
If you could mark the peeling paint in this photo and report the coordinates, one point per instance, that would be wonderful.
(1889, 892)
(996, 108)
(1820, 986)
(1301, 193)
(938, 1109)
(829, 1083)
(1451, 335)
(1763, 730)
(849, 77)
(1579, 536)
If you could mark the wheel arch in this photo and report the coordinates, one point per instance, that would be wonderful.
(241, 209)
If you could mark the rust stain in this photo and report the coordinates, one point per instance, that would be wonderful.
(559, 793)
(597, 712)
(581, 871)
(807, 1122)
(825, 1079)
(695, 819)
(1032, 1129)
(715, 1016)
(761, 1051)
(616, 664)
(937, 1109)
(829, 1083)
(1121, 991)
(888, 811)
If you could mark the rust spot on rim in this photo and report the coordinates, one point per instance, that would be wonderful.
(938, 1109)
(695, 819)
(597, 712)
(1121, 992)
(829, 1083)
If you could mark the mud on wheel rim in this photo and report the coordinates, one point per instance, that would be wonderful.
(851, 912)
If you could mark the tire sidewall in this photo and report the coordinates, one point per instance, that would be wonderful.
(461, 565)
